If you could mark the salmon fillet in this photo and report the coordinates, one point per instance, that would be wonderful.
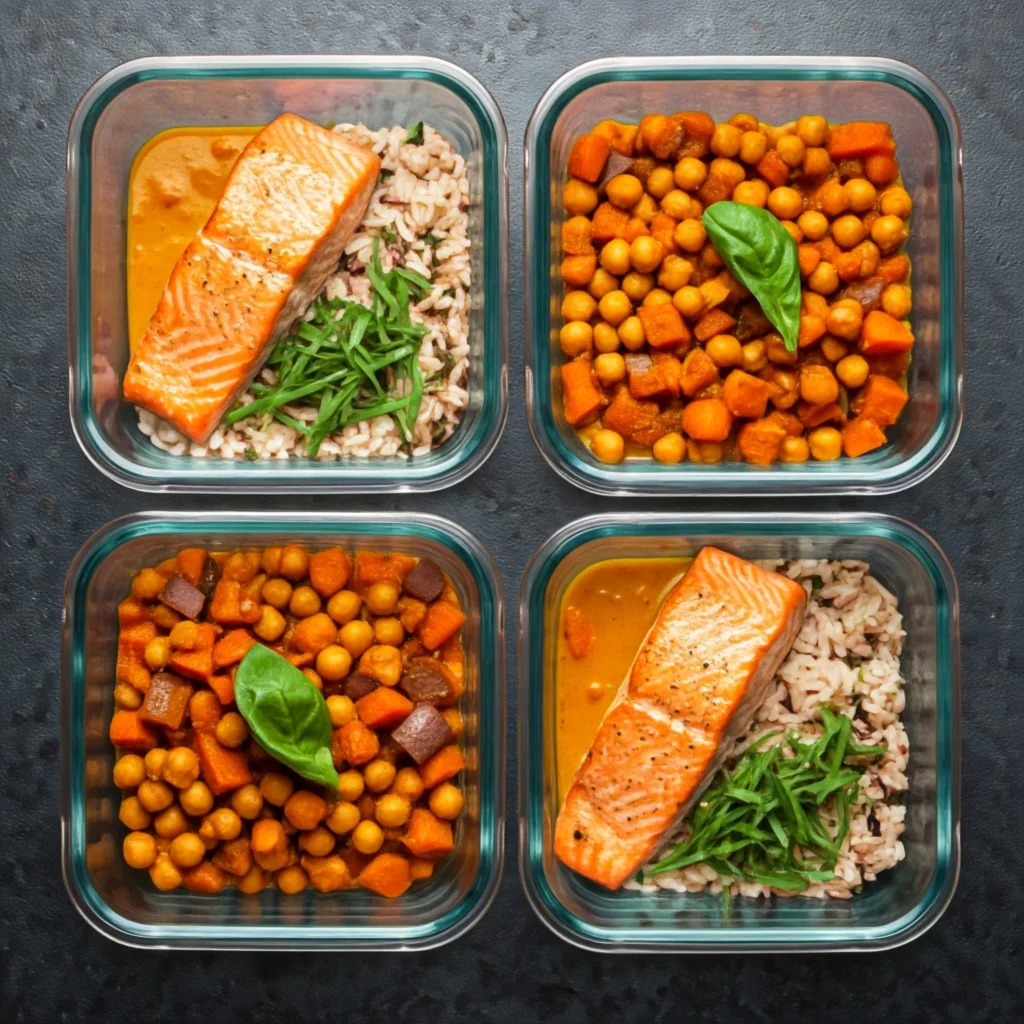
(701, 673)
(292, 201)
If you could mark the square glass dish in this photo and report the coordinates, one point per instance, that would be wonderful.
(129, 105)
(775, 90)
(896, 908)
(122, 903)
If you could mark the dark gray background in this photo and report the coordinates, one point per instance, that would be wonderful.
(54, 967)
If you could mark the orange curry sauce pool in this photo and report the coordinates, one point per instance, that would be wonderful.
(620, 599)
(175, 182)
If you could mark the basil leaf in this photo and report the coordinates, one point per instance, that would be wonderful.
(762, 256)
(286, 714)
(415, 134)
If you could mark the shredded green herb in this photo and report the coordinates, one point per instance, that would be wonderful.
(415, 134)
(250, 454)
(765, 820)
(351, 361)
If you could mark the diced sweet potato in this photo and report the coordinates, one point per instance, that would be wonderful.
(129, 731)
(815, 415)
(715, 321)
(759, 441)
(895, 268)
(659, 379)
(204, 711)
(698, 123)
(356, 743)
(387, 875)
(621, 137)
(860, 139)
(714, 190)
(882, 401)
(228, 607)
(663, 326)
(663, 228)
(131, 611)
(384, 708)
(232, 647)
(329, 571)
(578, 270)
(420, 869)
(223, 769)
(862, 435)
(166, 701)
(608, 222)
(581, 396)
(635, 227)
(790, 424)
(773, 168)
(190, 564)
(578, 630)
(427, 836)
(196, 664)
(716, 291)
(444, 765)
(661, 135)
(746, 395)
(223, 686)
(812, 329)
(587, 157)
(441, 621)
(808, 257)
(234, 856)
(628, 416)
(576, 235)
(892, 364)
(327, 874)
(881, 334)
(707, 419)
(698, 371)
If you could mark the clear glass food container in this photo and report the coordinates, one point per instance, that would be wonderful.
(776, 90)
(896, 908)
(121, 903)
(129, 105)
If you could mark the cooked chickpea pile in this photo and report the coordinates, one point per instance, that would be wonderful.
(379, 635)
(667, 351)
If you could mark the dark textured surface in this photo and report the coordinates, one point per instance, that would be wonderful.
(53, 967)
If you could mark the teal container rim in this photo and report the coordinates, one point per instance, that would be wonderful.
(566, 925)
(477, 899)
(293, 476)
(781, 479)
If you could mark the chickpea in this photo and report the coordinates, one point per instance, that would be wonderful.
(696, 209)
(690, 235)
(848, 231)
(824, 279)
(446, 801)
(826, 444)
(816, 162)
(817, 385)
(602, 282)
(409, 784)
(133, 815)
(677, 204)
(710, 258)
(351, 785)
(294, 562)
(624, 190)
(669, 448)
(356, 637)
(379, 775)
(184, 636)
(224, 824)
(812, 129)
(615, 257)
(852, 370)
(657, 297)
(753, 146)
(577, 305)
(343, 818)
(247, 801)
(313, 677)
(333, 663)
(318, 842)
(724, 350)
(726, 140)
(791, 148)
(383, 663)
(745, 122)
(689, 301)
(129, 772)
(576, 338)
(305, 810)
(813, 224)
(675, 273)
(392, 810)
(869, 258)
(157, 653)
(794, 449)
(896, 202)
(689, 173)
(292, 880)
(305, 601)
(645, 254)
(844, 319)
(164, 875)
(181, 768)
(197, 800)
(794, 230)
(660, 182)
(254, 881)
(388, 630)
(155, 760)
(752, 193)
(270, 560)
(606, 338)
(155, 795)
(888, 233)
(860, 194)
(271, 625)
(276, 787)
(645, 208)
(790, 390)
(139, 850)
(164, 617)
(578, 197)
(170, 823)
(610, 368)
(187, 850)
(615, 307)
(277, 592)
(367, 837)
(786, 203)
(637, 285)
(896, 301)
(754, 356)
(832, 197)
(832, 348)
(727, 170)
(608, 446)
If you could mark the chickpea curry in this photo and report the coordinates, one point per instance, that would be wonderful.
(734, 291)
(370, 642)
(605, 614)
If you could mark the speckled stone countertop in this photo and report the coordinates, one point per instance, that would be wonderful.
(53, 967)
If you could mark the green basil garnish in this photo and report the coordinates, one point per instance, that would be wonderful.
(762, 256)
(286, 714)
(415, 134)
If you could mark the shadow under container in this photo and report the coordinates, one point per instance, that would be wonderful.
(134, 102)
(121, 903)
(775, 90)
(903, 902)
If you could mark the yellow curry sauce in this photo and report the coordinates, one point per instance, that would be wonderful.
(175, 182)
(619, 599)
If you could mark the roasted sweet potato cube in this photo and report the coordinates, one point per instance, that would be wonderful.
(698, 371)
(609, 222)
(883, 401)
(746, 395)
(663, 326)
(715, 321)
(862, 435)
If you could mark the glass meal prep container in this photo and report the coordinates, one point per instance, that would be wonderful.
(122, 903)
(776, 90)
(135, 101)
(896, 908)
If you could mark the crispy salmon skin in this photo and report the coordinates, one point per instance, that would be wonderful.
(292, 201)
(699, 676)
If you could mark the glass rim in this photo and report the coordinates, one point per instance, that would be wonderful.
(863, 938)
(483, 888)
(201, 476)
(716, 481)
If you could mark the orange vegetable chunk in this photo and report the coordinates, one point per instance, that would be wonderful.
(383, 708)
(223, 769)
(861, 138)
(441, 621)
(698, 371)
(882, 401)
(427, 835)
(715, 321)
(444, 765)
(387, 875)
(746, 395)
(232, 647)
(581, 396)
(129, 731)
(663, 326)
(862, 435)
(356, 743)
(588, 156)
(190, 564)
(609, 222)
(707, 419)
(329, 571)
(881, 334)
(579, 632)
(759, 441)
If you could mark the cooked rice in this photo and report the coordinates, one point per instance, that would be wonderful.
(421, 209)
(851, 618)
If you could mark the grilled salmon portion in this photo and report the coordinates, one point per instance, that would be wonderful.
(701, 673)
(292, 201)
